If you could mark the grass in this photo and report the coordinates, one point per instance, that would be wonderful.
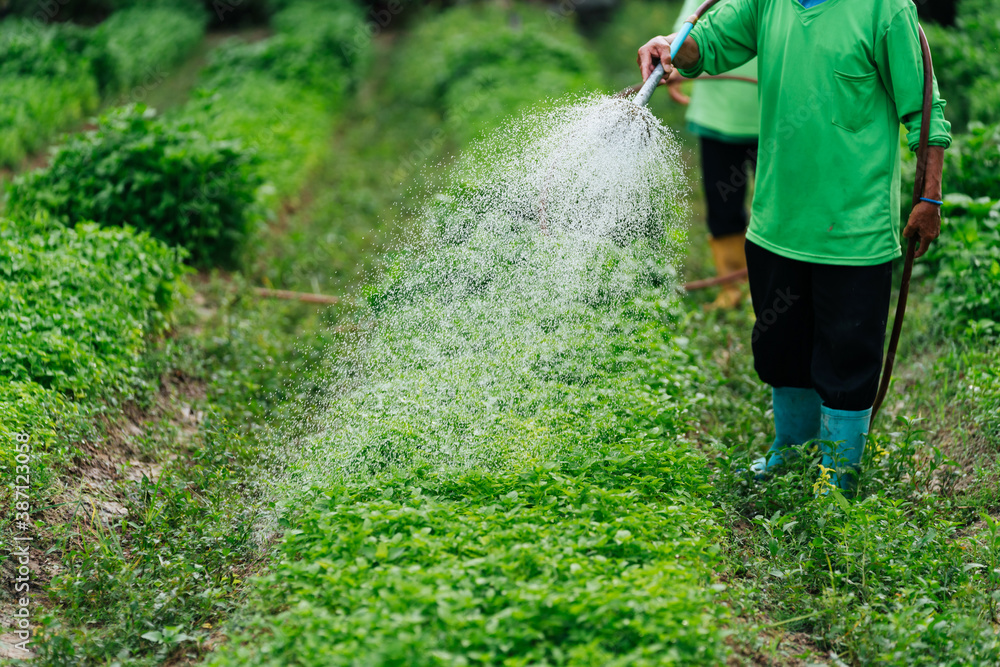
(137, 588)
(576, 560)
(602, 561)
(155, 505)
(902, 576)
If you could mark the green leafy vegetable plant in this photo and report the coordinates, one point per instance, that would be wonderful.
(168, 180)
(78, 304)
(967, 279)
(972, 162)
(276, 95)
(604, 560)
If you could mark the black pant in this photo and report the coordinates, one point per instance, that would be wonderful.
(726, 176)
(819, 325)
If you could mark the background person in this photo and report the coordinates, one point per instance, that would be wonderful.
(724, 115)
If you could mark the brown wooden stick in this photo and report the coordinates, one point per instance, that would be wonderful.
(718, 280)
(304, 297)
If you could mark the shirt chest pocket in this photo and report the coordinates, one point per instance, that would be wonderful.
(854, 100)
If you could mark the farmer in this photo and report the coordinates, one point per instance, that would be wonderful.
(837, 77)
(725, 117)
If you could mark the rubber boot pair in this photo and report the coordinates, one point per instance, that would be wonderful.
(729, 257)
(800, 416)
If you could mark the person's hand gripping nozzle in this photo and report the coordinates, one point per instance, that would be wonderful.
(653, 80)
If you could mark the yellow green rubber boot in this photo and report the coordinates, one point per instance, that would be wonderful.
(843, 434)
(796, 422)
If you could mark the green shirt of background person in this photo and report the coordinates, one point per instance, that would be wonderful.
(837, 78)
(724, 114)
(723, 109)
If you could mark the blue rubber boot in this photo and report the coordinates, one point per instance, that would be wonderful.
(796, 421)
(843, 434)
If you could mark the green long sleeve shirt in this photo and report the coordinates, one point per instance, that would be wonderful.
(836, 81)
(723, 110)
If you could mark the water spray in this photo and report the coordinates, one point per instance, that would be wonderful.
(507, 331)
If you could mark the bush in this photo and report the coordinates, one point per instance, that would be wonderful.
(77, 305)
(309, 49)
(46, 84)
(480, 64)
(43, 414)
(139, 171)
(49, 51)
(967, 263)
(276, 95)
(967, 63)
(52, 424)
(964, 263)
(33, 109)
(312, 48)
(135, 43)
(284, 127)
(52, 76)
(972, 163)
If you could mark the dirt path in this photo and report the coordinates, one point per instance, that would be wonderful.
(174, 88)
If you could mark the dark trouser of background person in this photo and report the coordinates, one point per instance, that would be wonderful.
(726, 172)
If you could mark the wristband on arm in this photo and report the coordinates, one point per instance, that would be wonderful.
(932, 201)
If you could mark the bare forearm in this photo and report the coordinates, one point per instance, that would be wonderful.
(932, 177)
(925, 218)
(688, 55)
